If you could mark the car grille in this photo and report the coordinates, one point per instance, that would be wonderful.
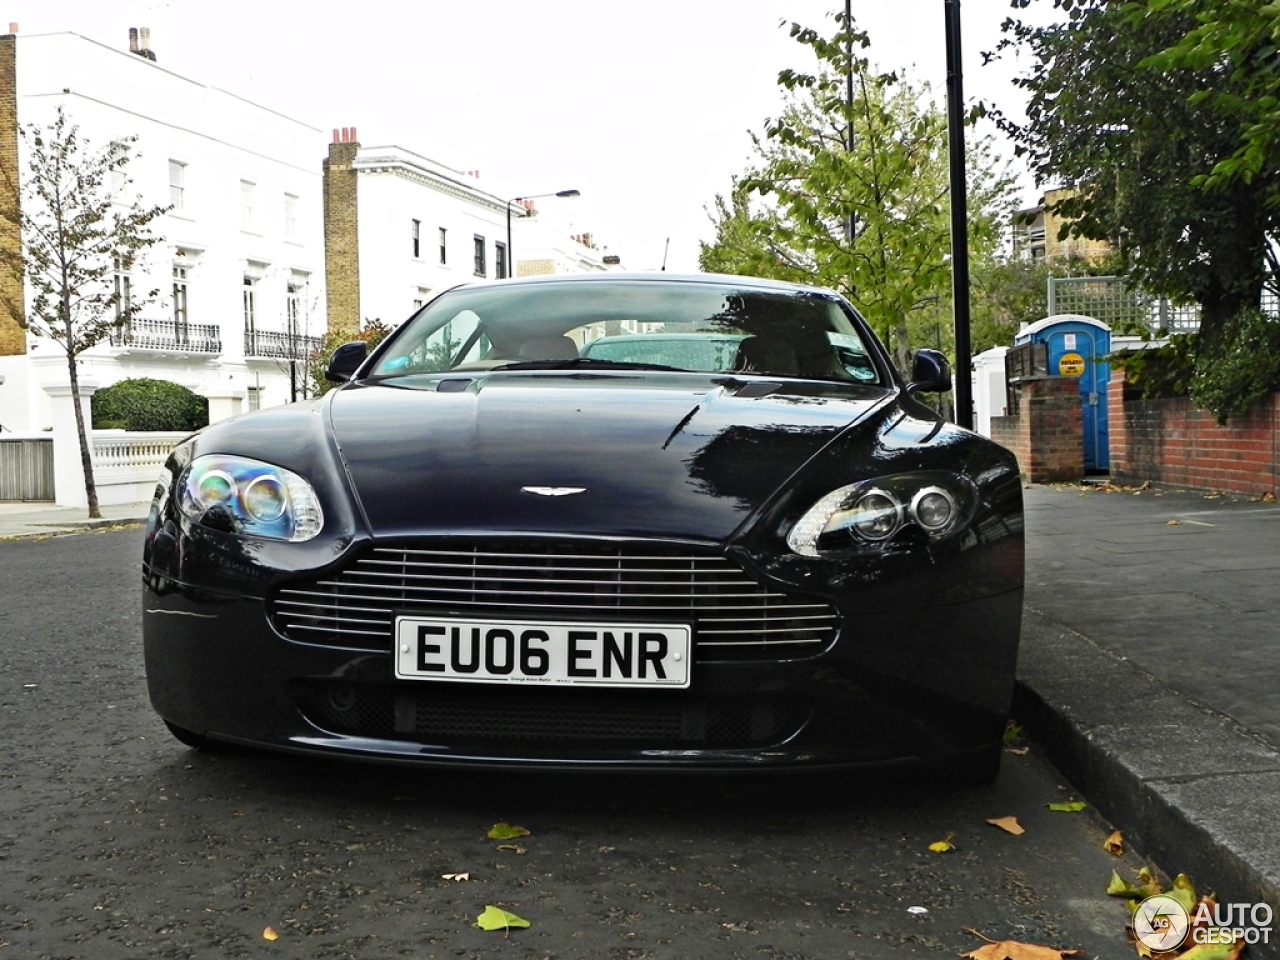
(436, 713)
(733, 616)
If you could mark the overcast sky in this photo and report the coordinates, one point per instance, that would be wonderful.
(643, 107)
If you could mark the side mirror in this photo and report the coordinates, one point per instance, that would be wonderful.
(346, 361)
(930, 373)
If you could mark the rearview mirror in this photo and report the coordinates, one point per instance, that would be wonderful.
(346, 361)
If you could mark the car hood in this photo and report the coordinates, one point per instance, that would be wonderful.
(679, 457)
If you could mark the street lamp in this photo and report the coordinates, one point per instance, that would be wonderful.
(511, 257)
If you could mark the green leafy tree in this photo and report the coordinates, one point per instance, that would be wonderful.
(849, 189)
(77, 232)
(1136, 140)
(1235, 43)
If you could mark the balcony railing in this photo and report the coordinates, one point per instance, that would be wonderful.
(167, 336)
(278, 345)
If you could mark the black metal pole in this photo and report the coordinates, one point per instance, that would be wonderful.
(511, 259)
(959, 218)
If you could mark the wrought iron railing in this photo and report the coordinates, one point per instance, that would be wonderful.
(278, 344)
(167, 336)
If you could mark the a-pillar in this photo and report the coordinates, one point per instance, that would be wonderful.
(68, 468)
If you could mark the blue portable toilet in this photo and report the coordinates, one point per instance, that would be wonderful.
(1077, 347)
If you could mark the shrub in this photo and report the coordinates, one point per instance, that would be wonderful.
(145, 404)
(1240, 366)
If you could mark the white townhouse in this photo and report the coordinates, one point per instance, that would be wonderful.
(400, 228)
(240, 266)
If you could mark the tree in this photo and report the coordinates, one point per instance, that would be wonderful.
(850, 190)
(1237, 42)
(1134, 140)
(77, 234)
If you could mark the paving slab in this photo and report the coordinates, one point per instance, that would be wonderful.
(1150, 672)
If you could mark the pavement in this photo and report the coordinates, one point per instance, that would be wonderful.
(1149, 670)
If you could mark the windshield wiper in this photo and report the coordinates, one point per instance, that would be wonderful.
(573, 362)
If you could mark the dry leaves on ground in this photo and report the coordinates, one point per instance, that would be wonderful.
(1015, 950)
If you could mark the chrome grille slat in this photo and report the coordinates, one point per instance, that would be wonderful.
(550, 580)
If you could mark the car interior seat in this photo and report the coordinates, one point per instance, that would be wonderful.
(766, 355)
(549, 348)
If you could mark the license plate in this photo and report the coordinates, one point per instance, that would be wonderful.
(538, 652)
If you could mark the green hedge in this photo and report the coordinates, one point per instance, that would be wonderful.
(144, 404)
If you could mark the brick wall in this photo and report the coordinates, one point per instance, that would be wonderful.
(13, 339)
(1047, 435)
(341, 237)
(1172, 442)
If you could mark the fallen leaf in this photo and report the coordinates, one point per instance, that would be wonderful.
(1071, 806)
(1018, 751)
(1008, 825)
(270, 934)
(459, 877)
(943, 846)
(495, 918)
(1015, 950)
(1215, 951)
(1174, 523)
(513, 846)
(1013, 734)
(1114, 844)
(505, 831)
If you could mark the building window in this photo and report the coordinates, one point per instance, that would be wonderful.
(417, 238)
(120, 156)
(250, 309)
(180, 281)
(500, 261)
(248, 195)
(443, 256)
(290, 217)
(293, 315)
(123, 288)
(255, 398)
(481, 268)
(177, 184)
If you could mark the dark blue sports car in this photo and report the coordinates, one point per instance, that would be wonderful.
(605, 521)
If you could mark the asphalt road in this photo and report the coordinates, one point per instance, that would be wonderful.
(117, 842)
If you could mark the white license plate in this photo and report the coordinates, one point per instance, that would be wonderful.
(533, 652)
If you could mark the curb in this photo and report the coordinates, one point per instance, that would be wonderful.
(1189, 788)
(37, 531)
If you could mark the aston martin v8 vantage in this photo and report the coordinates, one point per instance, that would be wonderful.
(604, 521)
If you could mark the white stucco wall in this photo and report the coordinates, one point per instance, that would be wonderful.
(112, 94)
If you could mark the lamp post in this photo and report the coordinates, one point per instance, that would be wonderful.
(511, 257)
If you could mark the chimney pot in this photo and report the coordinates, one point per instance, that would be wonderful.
(133, 40)
(144, 37)
(354, 138)
(335, 135)
(13, 28)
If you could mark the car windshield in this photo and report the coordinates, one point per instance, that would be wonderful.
(633, 324)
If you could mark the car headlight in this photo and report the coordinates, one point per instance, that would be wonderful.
(239, 495)
(875, 511)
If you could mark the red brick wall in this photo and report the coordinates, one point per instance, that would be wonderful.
(1174, 443)
(1047, 436)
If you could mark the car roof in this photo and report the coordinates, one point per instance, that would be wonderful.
(720, 279)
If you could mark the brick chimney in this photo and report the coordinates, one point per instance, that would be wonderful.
(341, 232)
(13, 338)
